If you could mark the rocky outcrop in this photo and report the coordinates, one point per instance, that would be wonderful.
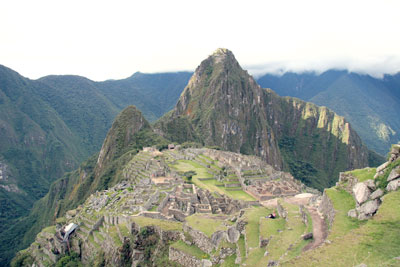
(368, 196)
(183, 258)
(327, 209)
(223, 106)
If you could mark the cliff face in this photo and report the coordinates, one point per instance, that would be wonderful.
(222, 105)
(316, 143)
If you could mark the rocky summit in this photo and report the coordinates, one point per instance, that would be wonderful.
(223, 106)
(226, 178)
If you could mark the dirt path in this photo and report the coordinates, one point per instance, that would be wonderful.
(319, 229)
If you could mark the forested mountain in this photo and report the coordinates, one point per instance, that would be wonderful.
(223, 106)
(371, 105)
(50, 125)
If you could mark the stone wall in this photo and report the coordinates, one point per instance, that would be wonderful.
(183, 258)
(199, 239)
(327, 209)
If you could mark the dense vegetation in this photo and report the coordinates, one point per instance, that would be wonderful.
(74, 187)
(371, 105)
(222, 105)
(48, 126)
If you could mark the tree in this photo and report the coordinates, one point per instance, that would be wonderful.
(189, 175)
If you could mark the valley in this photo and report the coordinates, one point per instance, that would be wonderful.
(196, 186)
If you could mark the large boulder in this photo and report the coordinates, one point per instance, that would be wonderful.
(369, 208)
(376, 194)
(394, 174)
(370, 184)
(352, 213)
(393, 185)
(233, 234)
(361, 192)
(206, 263)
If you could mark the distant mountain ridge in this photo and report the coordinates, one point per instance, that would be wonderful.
(371, 105)
(50, 125)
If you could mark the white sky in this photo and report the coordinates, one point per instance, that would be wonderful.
(113, 39)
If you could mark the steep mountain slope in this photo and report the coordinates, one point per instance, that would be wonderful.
(222, 105)
(129, 133)
(371, 105)
(153, 217)
(48, 126)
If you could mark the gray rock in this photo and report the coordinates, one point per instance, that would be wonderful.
(266, 253)
(376, 194)
(352, 213)
(264, 242)
(217, 237)
(307, 236)
(273, 263)
(369, 207)
(382, 167)
(394, 174)
(370, 184)
(233, 234)
(361, 192)
(363, 216)
(393, 185)
(206, 263)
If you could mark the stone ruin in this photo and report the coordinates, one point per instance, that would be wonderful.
(188, 199)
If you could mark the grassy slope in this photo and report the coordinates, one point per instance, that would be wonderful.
(374, 242)
(211, 185)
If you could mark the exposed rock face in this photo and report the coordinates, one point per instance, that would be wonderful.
(376, 194)
(361, 192)
(393, 185)
(233, 234)
(222, 105)
(394, 174)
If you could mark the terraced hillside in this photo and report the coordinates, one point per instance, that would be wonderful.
(158, 216)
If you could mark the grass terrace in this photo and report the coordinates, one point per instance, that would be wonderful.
(363, 174)
(164, 225)
(207, 223)
(191, 250)
(211, 185)
(374, 242)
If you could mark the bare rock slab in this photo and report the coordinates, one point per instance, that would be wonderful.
(361, 192)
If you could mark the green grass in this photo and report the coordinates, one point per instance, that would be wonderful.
(229, 261)
(91, 240)
(343, 202)
(205, 223)
(293, 228)
(123, 230)
(50, 229)
(255, 256)
(112, 231)
(252, 228)
(242, 247)
(210, 185)
(191, 250)
(375, 242)
(270, 227)
(363, 174)
(164, 225)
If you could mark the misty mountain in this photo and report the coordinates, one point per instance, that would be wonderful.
(371, 105)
